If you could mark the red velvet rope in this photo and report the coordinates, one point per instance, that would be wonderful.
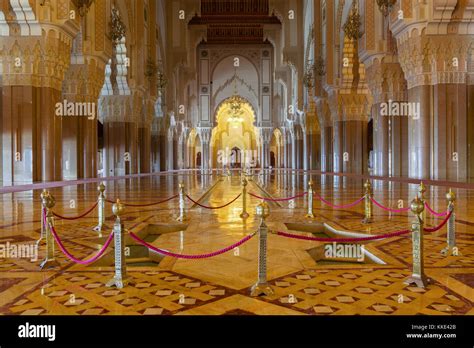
(343, 240)
(212, 208)
(435, 213)
(278, 199)
(144, 205)
(437, 228)
(191, 257)
(72, 258)
(350, 205)
(76, 217)
(401, 210)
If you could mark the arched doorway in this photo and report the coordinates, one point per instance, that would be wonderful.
(236, 158)
(194, 150)
(272, 159)
(234, 140)
(276, 149)
(198, 160)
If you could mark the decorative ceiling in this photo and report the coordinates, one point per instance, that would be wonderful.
(235, 21)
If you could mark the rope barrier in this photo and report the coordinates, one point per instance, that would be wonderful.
(76, 217)
(434, 212)
(191, 257)
(212, 208)
(339, 206)
(278, 199)
(146, 204)
(401, 210)
(72, 258)
(437, 228)
(343, 240)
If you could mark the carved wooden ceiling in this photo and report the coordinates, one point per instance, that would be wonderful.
(235, 21)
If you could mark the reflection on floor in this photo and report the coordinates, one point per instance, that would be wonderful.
(221, 285)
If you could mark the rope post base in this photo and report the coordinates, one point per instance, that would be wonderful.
(368, 203)
(310, 214)
(43, 217)
(451, 248)
(182, 204)
(120, 278)
(101, 210)
(262, 287)
(418, 276)
(49, 261)
(244, 214)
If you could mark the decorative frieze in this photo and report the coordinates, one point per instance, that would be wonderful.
(435, 59)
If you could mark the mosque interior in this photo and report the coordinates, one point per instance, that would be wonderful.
(224, 157)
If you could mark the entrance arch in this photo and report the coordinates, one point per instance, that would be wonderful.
(276, 149)
(235, 130)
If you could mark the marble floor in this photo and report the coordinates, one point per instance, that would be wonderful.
(221, 285)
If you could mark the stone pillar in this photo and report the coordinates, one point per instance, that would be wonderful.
(82, 84)
(338, 129)
(326, 149)
(381, 142)
(265, 139)
(170, 151)
(355, 154)
(32, 70)
(399, 145)
(438, 70)
(144, 149)
(205, 136)
(419, 139)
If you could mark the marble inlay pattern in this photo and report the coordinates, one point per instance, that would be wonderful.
(220, 285)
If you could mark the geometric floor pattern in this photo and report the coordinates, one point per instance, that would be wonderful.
(317, 292)
(204, 287)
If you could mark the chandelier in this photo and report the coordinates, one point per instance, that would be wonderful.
(385, 6)
(235, 105)
(117, 28)
(161, 80)
(353, 23)
(235, 109)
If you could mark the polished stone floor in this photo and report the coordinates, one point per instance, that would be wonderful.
(221, 285)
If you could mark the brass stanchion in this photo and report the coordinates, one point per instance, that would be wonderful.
(101, 209)
(120, 278)
(310, 214)
(244, 214)
(49, 261)
(182, 204)
(451, 247)
(421, 194)
(418, 276)
(43, 215)
(262, 287)
(368, 203)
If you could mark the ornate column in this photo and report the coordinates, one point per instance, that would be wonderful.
(265, 139)
(205, 136)
(435, 59)
(324, 115)
(82, 84)
(33, 63)
(355, 153)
